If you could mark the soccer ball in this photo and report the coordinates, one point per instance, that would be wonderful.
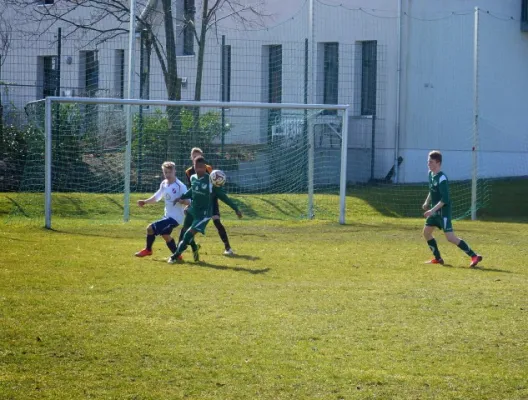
(218, 178)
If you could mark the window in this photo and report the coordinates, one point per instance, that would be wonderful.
(275, 74)
(331, 73)
(144, 65)
(524, 16)
(226, 77)
(368, 77)
(119, 74)
(89, 81)
(188, 31)
(49, 76)
(274, 83)
(89, 73)
(45, 2)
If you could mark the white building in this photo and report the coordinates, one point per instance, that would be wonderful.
(418, 75)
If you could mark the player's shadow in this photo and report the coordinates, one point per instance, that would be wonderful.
(226, 268)
(478, 268)
(245, 257)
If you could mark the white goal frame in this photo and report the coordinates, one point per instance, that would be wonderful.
(49, 101)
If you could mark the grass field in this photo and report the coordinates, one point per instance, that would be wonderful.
(306, 310)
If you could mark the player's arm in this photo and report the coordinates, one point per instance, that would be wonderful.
(427, 201)
(444, 193)
(188, 176)
(219, 192)
(444, 190)
(152, 199)
(184, 189)
(184, 197)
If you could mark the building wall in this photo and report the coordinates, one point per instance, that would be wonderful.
(437, 78)
(438, 88)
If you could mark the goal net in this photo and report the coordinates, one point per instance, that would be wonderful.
(284, 160)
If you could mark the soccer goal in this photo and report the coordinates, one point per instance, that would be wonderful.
(289, 158)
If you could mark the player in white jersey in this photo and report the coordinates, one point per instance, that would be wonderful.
(170, 189)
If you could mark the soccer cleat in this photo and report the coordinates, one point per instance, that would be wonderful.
(475, 260)
(143, 253)
(174, 260)
(229, 252)
(196, 253)
(435, 261)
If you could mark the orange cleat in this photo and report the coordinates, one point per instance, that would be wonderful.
(435, 261)
(143, 253)
(475, 260)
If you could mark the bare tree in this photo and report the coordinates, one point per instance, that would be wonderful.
(214, 11)
(5, 40)
(99, 21)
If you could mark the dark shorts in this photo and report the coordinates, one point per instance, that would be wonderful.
(216, 207)
(440, 221)
(164, 226)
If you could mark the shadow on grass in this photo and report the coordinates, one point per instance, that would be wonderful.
(275, 206)
(77, 204)
(19, 208)
(115, 202)
(247, 210)
(237, 269)
(478, 268)
(89, 234)
(205, 264)
(245, 257)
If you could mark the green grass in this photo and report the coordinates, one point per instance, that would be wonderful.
(308, 309)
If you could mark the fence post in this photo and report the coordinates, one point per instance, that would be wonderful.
(474, 175)
(223, 89)
(128, 151)
(1, 108)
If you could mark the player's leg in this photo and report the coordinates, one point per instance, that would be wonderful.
(462, 245)
(187, 223)
(428, 230)
(151, 237)
(170, 224)
(170, 242)
(220, 228)
(188, 239)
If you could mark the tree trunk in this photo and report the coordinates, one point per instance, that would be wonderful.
(199, 69)
(175, 149)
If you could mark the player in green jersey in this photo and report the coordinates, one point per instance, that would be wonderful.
(202, 194)
(437, 208)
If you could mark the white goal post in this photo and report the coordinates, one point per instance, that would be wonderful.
(342, 134)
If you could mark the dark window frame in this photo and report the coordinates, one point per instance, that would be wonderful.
(226, 85)
(92, 71)
(274, 84)
(189, 11)
(369, 76)
(524, 16)
(331, 73)
(49, 76)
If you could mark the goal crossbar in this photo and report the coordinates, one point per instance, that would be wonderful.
(49, 101)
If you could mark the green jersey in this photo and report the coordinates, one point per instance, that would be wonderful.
(439, 191)
(201, 193)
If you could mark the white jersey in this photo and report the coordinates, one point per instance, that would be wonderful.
(171, 192)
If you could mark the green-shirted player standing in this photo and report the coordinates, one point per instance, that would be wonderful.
(439, 215)
(200, 211)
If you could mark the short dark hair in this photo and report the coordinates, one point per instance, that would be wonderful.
(199, 160)
(436, 155)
